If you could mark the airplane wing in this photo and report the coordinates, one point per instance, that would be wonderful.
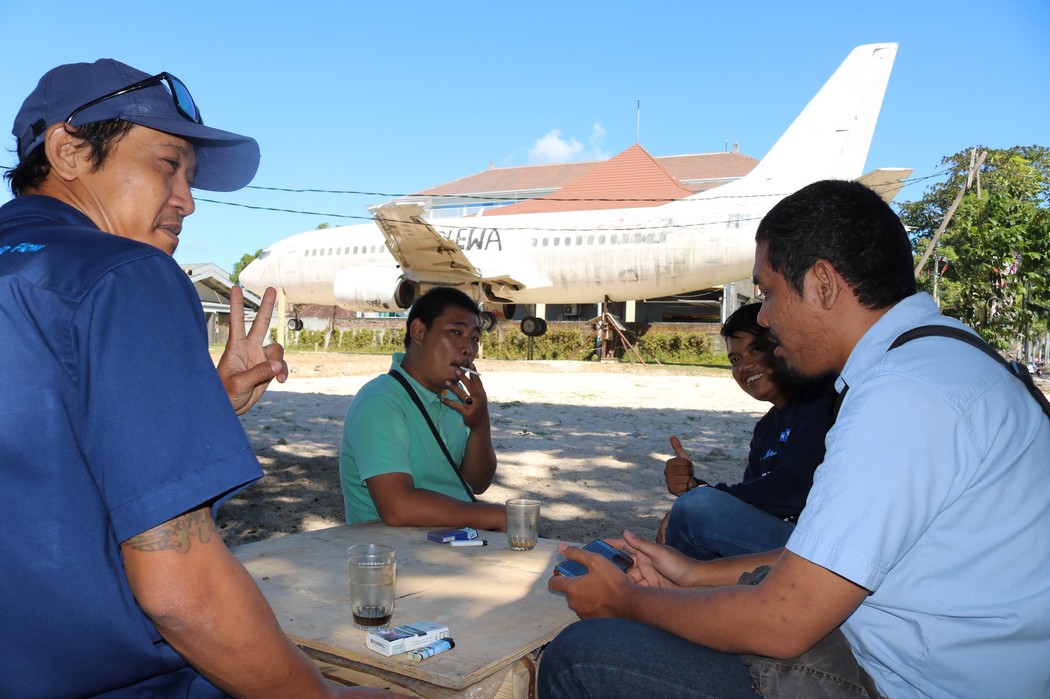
(427, 256)
(886, 181)
(420, 249)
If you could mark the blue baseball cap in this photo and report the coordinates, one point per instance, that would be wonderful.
(225, 161)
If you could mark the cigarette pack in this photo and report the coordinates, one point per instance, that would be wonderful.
(405, 638)
(443, 536)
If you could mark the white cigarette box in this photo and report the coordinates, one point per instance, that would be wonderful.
(405, 638)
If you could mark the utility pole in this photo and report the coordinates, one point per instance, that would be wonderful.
(974, 167)
(936, 277)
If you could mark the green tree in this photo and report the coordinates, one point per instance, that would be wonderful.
(240, 264)
(990, 265)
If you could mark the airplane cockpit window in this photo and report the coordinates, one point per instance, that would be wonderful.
(264, 254)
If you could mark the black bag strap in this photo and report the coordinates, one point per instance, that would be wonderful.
(430, 423)
(1015, 368)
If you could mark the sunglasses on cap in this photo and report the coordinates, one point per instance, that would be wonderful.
(184, 103)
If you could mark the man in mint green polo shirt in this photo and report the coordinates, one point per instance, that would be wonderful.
(391, 465)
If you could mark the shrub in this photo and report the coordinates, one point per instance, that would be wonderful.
(508, 342)
(677, 347)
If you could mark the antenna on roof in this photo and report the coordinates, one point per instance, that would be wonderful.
(638, 126)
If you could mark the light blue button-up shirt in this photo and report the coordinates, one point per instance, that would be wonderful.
(934, 494)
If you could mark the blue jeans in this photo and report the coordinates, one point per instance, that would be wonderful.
(607, 658)
(708, 523)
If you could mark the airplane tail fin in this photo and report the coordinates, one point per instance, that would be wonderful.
(831, 137)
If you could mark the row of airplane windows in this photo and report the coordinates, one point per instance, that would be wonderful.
(613, 239)
(357, 249)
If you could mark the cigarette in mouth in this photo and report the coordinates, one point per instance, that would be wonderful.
(467, 370)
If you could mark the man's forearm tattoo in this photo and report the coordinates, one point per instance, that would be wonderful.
(177, 534)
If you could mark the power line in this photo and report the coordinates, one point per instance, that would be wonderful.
(484, 197)
(437, 223)
(493, 221)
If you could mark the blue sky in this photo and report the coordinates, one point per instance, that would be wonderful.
(395, 97)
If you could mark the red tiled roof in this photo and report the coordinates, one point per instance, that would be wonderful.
(694, 170)
(631, 179)
(526, 178)
(697, 172)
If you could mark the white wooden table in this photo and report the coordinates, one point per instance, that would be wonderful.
(494, 601)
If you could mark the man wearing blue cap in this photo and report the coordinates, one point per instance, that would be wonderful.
(117, 435)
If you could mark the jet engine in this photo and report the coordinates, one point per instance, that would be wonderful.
(374, 288)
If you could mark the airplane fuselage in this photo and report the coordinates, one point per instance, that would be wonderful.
(573, 257)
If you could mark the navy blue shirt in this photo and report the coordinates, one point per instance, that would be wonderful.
(112, 421)
(787, 445)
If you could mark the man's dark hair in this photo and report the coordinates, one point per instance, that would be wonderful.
(851, 227)
(433, 303)
(99, 137)
(744, 320)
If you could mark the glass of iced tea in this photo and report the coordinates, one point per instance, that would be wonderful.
(373, 571)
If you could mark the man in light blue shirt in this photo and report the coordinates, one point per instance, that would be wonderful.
(925, 536)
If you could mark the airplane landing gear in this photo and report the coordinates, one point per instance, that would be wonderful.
(488, 321)
(531, 326)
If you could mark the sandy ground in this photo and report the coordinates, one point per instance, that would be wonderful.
(589, 440)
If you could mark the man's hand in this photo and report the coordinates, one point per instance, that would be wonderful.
(678, 473)
(246, 366)
(601, 592)
(656, 565)
(473, 403)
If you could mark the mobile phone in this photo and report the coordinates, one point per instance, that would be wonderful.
(573, 569)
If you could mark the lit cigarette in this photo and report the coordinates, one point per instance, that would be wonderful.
(468, 542)
(467, 370)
